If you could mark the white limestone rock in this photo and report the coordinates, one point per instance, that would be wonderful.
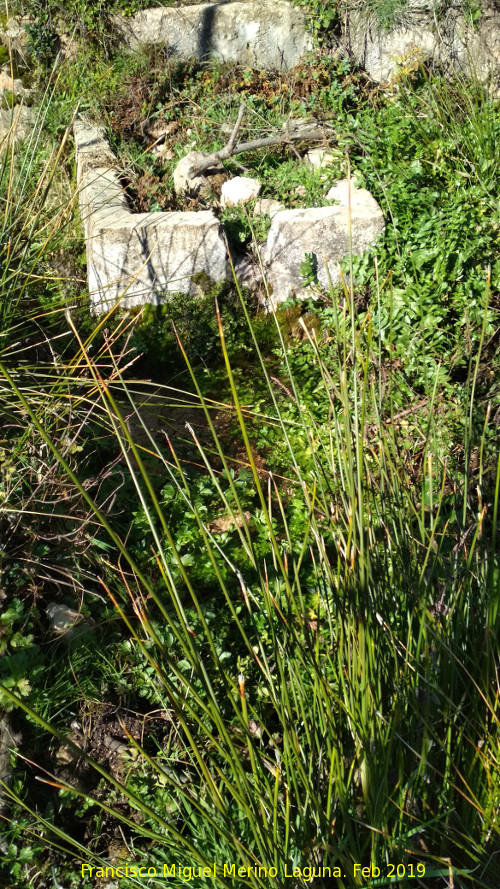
(186, 178)
(324, 232)
(239, 190)
(458, 43)
(319, 157)
(254, 33)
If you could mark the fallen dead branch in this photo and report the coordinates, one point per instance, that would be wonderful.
(188, 175)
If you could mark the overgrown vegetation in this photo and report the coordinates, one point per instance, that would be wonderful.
(250, 604)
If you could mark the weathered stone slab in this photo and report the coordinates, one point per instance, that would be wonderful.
(138, 258)
(258, 34)
(326, 232)
(92, 149)
(144, 257)
(450, 40)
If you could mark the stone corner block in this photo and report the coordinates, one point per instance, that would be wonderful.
(138, 258)
(145, 257)
(326, 232)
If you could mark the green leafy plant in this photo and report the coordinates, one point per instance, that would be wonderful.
(47, 23)
(321, 17)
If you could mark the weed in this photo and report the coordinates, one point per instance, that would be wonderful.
(85, 18)
(321, 17)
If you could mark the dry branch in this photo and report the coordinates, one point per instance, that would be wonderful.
(309, 133)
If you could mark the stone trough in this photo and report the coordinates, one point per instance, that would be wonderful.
(138, 258)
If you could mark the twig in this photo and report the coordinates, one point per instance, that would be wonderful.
(237, 127)
(410, 410)
(230, 149)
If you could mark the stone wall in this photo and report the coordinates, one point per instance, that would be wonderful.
(434, 33)
(274, 34)
(258, 33)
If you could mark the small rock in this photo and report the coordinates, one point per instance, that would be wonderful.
(268, 206)
(62, 617)
(7, 83)
(163, 151)
(228, 523)
(239, 190)
(65, 621)
(319, 157)
(301, 190)
(186, 179)
(158, 130)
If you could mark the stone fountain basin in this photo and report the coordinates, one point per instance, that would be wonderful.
(138, 258)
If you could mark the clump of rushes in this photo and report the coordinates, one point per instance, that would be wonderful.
(351, 717)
